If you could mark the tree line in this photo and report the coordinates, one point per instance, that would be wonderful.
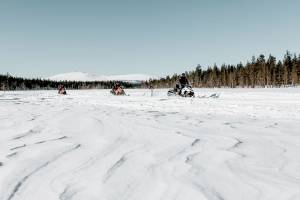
(259, 72)
(8, 82)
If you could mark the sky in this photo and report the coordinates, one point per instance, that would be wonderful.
(41, 38)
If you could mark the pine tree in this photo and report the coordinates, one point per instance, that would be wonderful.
(270, 70)
(294, 73)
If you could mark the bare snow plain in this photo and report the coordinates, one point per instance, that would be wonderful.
(244, 144)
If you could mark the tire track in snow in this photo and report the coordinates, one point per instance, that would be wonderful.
(28, 133)
(66, 194)
(113, 168)
(185, 149)
(208, 192)
(50, 140)
(235, 147)
(117, 165)
(18, 147)
(25, 178)
(113, 147)
(11, 154)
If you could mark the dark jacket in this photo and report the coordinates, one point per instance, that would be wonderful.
(183, 81)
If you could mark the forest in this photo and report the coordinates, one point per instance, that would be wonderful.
(8, 82)
(259, 72)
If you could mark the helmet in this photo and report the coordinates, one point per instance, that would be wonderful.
(183, 74)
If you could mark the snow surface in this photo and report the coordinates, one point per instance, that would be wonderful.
(243, 145)
(82, 76)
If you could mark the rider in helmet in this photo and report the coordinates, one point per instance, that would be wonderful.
(183, 81)
(182, 88)
(62, 89)
(118, 90)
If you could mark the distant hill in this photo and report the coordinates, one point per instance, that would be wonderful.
(82, 76)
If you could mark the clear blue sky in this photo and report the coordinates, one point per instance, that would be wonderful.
(46, 37)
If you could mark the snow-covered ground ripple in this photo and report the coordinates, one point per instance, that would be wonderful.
(240, 144)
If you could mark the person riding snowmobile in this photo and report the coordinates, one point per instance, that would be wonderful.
(117, 90)
(62, 89)
(183, 87)
(183, 81)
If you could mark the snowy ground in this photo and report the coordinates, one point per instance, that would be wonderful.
(88, 145)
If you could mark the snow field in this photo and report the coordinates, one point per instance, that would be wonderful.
(245, 144)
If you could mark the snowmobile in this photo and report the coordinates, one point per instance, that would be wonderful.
(185, 91)
(62, 90)
(119, 91)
